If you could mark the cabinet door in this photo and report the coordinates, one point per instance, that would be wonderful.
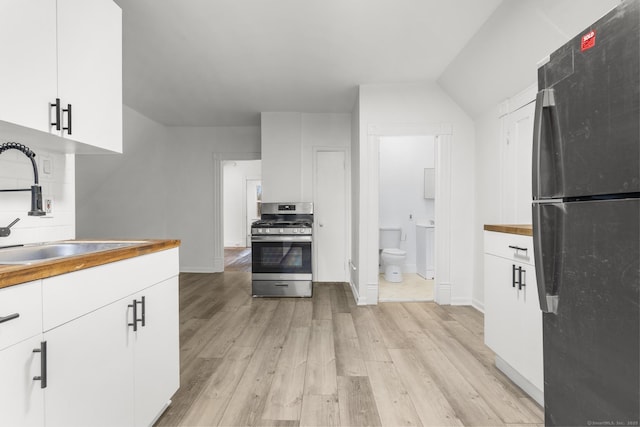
(90, 370)
(90, 70)
(157, 348)
(501, 318)
(21, 398)
(516, 170)
(531, 357)
(28, 71)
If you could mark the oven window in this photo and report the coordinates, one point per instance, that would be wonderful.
(281, 257)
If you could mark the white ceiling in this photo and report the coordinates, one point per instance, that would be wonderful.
(222, 62)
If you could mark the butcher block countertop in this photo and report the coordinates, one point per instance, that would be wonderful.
(15, 274)
(523, 229)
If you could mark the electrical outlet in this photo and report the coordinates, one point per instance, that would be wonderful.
(48, 205)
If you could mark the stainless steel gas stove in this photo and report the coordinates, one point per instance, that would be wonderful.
(281, 244)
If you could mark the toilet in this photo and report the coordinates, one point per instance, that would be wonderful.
(392, 257)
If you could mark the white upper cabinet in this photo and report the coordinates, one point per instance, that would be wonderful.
(28, 81)
(69, 50)
(90, 71)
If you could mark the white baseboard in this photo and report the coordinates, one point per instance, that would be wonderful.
(460, 301)
(522, 382)
(478, 305)
(188, 269)
(443, 294)
(356, 294)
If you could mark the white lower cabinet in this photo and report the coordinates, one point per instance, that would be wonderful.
(90, 370)
(157, 351)
(21, 398)
(513, 320)
(112, 345)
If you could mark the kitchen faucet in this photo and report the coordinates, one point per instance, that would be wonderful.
(36, 190)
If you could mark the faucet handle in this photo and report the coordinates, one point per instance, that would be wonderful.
(6, 231)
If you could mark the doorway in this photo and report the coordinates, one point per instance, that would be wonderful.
(406, 204)
(241, 198)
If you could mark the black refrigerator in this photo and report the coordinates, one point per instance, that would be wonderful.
(586, 223)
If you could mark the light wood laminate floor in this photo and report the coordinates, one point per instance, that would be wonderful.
(323, 361)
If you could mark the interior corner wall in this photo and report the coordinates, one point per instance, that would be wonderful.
(160, 187)
(122, 196)
(487, 197)
(420, 104)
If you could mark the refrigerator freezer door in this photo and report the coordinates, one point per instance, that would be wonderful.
(592, 343)
(590, 138)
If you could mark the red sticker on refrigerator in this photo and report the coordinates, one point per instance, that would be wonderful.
(588, 41)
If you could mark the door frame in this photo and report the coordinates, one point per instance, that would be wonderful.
(347, 195)
(442, 133)
(218, 200)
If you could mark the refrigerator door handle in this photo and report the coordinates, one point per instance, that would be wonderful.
(545, 273)
(544, 99)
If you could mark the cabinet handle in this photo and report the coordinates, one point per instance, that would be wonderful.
(43, 364)
(521, 282)
(143, 318)
(68, 111)
(513, 275)
(57, 116)
(517, 248)
(9, 317)
(134, 306)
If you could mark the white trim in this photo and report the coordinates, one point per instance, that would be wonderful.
(354, 290)
(188, 269)
(218, 211)
(525, 97)
(522, 382)
(478, 305)
(370, 215)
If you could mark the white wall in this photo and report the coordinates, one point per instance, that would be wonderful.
(124, 195)
(161, 187)
(288, 144)
(402, 203)
(58, 184)
(414, 105)
(235, 178)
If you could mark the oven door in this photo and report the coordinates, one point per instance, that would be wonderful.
(275, 257)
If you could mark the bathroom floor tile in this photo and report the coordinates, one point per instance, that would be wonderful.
(412, 288)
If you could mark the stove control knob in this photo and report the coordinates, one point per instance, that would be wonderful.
(281, 230)
(295, 230)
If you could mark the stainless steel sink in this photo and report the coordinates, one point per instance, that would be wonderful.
(31, 254)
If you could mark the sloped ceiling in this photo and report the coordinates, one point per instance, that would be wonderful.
(222, 62)
(501, 58)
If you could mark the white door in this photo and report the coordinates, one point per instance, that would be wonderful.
(330, 217)
(21, 398)
(516, 191)
(156, 352)
(90, 370)
(90, 70)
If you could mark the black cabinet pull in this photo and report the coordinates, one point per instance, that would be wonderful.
(518, 248)
(521, 283)
(9, 317)
(134, 306)
(143, 318)
(68, 111)
(43, 364)
(513, 275)
(57, 115)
